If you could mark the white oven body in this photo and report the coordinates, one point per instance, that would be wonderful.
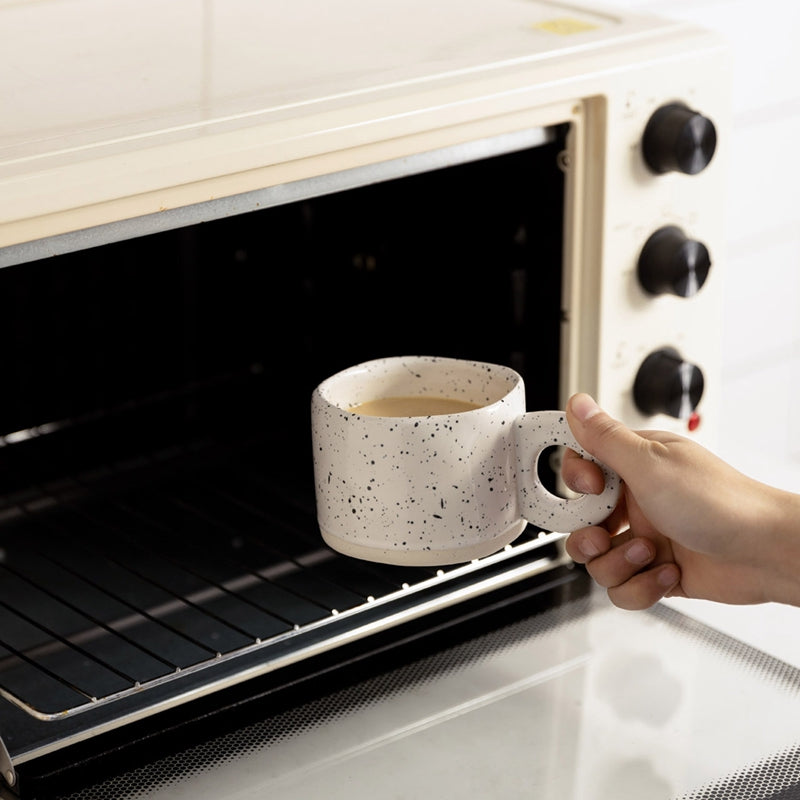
(263, 107)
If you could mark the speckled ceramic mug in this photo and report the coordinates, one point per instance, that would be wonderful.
(437, 488)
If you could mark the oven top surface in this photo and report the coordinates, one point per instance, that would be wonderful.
(80, 74)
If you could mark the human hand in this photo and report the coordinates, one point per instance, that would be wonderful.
(687, 524)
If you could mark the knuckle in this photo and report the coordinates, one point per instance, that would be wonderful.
(641, 591)
(573, 549)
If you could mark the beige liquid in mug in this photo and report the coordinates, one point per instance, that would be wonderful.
(413, 406)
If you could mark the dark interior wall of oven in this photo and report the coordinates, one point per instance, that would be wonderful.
(218, 329)
(156, 492)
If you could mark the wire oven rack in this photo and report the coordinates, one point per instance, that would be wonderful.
(122, 597)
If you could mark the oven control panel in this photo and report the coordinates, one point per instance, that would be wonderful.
(659, 325)
(676, 139)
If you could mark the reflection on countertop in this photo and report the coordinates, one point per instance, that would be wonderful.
(581, 701)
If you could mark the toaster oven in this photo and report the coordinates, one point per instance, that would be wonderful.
(527, 183)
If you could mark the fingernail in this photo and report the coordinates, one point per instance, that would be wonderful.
(584, 407)
(588, 548)
(668, 576)
(638, 553)
(580, 485)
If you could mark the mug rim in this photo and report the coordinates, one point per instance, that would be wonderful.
(486, 366)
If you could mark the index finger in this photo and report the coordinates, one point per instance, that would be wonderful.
(580, 474)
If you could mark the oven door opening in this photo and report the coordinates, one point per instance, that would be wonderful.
(158, 540)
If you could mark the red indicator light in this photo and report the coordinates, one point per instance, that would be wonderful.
(694, 421)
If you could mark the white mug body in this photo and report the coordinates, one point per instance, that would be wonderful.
(418, 490)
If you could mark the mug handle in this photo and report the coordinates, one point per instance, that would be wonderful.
(533, 432)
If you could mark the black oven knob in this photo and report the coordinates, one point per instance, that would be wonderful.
(666, 384)
(672, 263)
(677, 139)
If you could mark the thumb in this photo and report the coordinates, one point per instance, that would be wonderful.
(607, 439)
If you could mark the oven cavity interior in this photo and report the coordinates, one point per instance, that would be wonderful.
(158, 530)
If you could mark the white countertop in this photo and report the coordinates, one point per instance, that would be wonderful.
(584, 701)
(773, 628)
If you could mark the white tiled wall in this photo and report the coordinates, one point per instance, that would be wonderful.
(760, 428)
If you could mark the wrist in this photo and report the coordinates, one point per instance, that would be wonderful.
(781, 528)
